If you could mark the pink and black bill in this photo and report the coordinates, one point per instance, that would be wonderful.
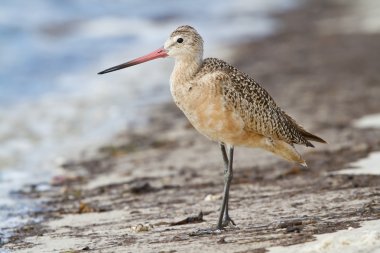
(159, 53)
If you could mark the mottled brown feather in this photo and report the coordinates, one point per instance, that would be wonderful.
(256, 107)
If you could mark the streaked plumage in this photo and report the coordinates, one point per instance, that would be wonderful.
(226, 105)
(237, 110)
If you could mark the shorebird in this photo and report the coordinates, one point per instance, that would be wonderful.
(225, 105)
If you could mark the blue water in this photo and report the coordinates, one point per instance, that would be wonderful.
(52, 103)
(41, 40)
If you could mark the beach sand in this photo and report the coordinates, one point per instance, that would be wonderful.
(137, 193)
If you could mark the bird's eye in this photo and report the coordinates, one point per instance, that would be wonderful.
(179, 40)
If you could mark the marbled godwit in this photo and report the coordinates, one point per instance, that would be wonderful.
(225, 105)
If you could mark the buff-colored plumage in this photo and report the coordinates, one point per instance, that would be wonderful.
(227, 105)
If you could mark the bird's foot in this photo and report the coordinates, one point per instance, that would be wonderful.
(228, 222)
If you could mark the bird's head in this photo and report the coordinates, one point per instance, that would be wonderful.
(183, 44)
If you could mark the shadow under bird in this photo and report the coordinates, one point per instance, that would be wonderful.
(225, 105)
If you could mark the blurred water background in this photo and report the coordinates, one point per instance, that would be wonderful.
(53, 105)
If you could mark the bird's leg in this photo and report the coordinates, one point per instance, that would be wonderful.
(224, 218)
(229, 171)
(225, 200)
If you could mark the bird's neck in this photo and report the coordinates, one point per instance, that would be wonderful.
(185, 69)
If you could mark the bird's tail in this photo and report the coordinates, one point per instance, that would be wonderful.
(306, 134)
(311, 137)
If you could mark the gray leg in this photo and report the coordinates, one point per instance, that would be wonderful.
(224, 218)
(227, 219)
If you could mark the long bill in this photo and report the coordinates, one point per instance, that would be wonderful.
(159, 53)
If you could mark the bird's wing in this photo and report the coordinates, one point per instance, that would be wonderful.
(258, 109)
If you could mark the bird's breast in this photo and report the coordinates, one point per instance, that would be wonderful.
(204, 106)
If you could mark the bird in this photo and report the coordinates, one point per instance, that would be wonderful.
(225, 105)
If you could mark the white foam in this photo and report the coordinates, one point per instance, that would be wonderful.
(107, 27)
(365, 239)
(368, 121)
(366, 166)
(371, 164)
(366, 13)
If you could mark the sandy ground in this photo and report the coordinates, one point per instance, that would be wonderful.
(152, 187)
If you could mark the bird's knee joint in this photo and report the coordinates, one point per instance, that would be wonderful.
(228, 176)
